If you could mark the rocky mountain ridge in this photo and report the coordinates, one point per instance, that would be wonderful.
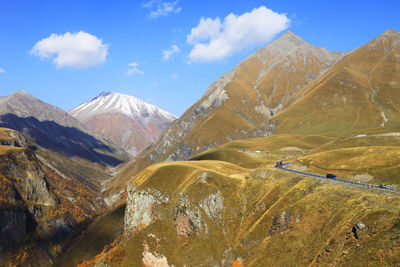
(56, 130)
(241, 102)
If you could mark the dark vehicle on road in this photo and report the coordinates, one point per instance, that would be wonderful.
(331, 176)
(382, 186)
(279, 163)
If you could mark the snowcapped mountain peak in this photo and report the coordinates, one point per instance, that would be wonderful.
(128, 121)
(104, 93)
(111, 102)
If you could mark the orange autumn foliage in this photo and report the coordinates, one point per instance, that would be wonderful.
(237, 263)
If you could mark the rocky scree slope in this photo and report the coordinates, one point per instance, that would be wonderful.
(129, 122)
(56, 130)
(239, 104)
(39, 205)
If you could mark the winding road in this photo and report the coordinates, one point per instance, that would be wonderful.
(282, 167)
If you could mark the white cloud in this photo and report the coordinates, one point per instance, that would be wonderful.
(206, 30)
(168, 54)
(77, 50)
(158, 8)
(2, 71)
(174, 76)
(214, 40)
(133, 69)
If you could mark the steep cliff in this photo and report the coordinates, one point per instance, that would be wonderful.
(40, 206)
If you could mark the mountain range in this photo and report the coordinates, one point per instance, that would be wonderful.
(241, 102)
(56, 130)
(289, 86)
(201, 189)
(227, 206)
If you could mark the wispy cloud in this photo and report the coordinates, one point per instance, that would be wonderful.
(77, 50)
(133, 69)
(215, 40)
(153, 84)
(2, 71)
(168, 54)
(159, 8)
(174, 76)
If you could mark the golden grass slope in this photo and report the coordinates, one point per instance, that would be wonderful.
(5, 138)
(359, 94)
(373, 159)
(296, 221)
(93, 239)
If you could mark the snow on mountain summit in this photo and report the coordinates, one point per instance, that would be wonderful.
(108, 102)
(130, 122)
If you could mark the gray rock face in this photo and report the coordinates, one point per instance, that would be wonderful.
(30, 182)
(18, 140)
(184, 226)
(213, 205)
(358, 229)
(141, 208)
(191, 212)
(12, 227)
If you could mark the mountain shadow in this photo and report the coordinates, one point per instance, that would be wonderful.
(69, 141)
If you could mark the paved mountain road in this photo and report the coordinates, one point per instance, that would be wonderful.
(335, 180)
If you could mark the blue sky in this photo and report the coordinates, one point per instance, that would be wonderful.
(118, 45)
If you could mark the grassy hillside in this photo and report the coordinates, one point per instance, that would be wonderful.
(239, 104)
(356, 95)
(359, 94)
(373, 159)
(93, 239)
(229, 203)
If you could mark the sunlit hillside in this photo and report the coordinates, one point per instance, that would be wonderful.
(229, 203)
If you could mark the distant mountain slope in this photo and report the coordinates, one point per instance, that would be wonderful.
(239, 104)
(55, 129)
(43, 197)
(130, 122)
(361, 93)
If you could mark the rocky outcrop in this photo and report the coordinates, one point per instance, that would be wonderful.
(141, 206)
(358, 229)
(30, 182)
(153, 260)
(191, 213)
(280, 223)
(213, 205)
(184, 226)
(16, 139)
